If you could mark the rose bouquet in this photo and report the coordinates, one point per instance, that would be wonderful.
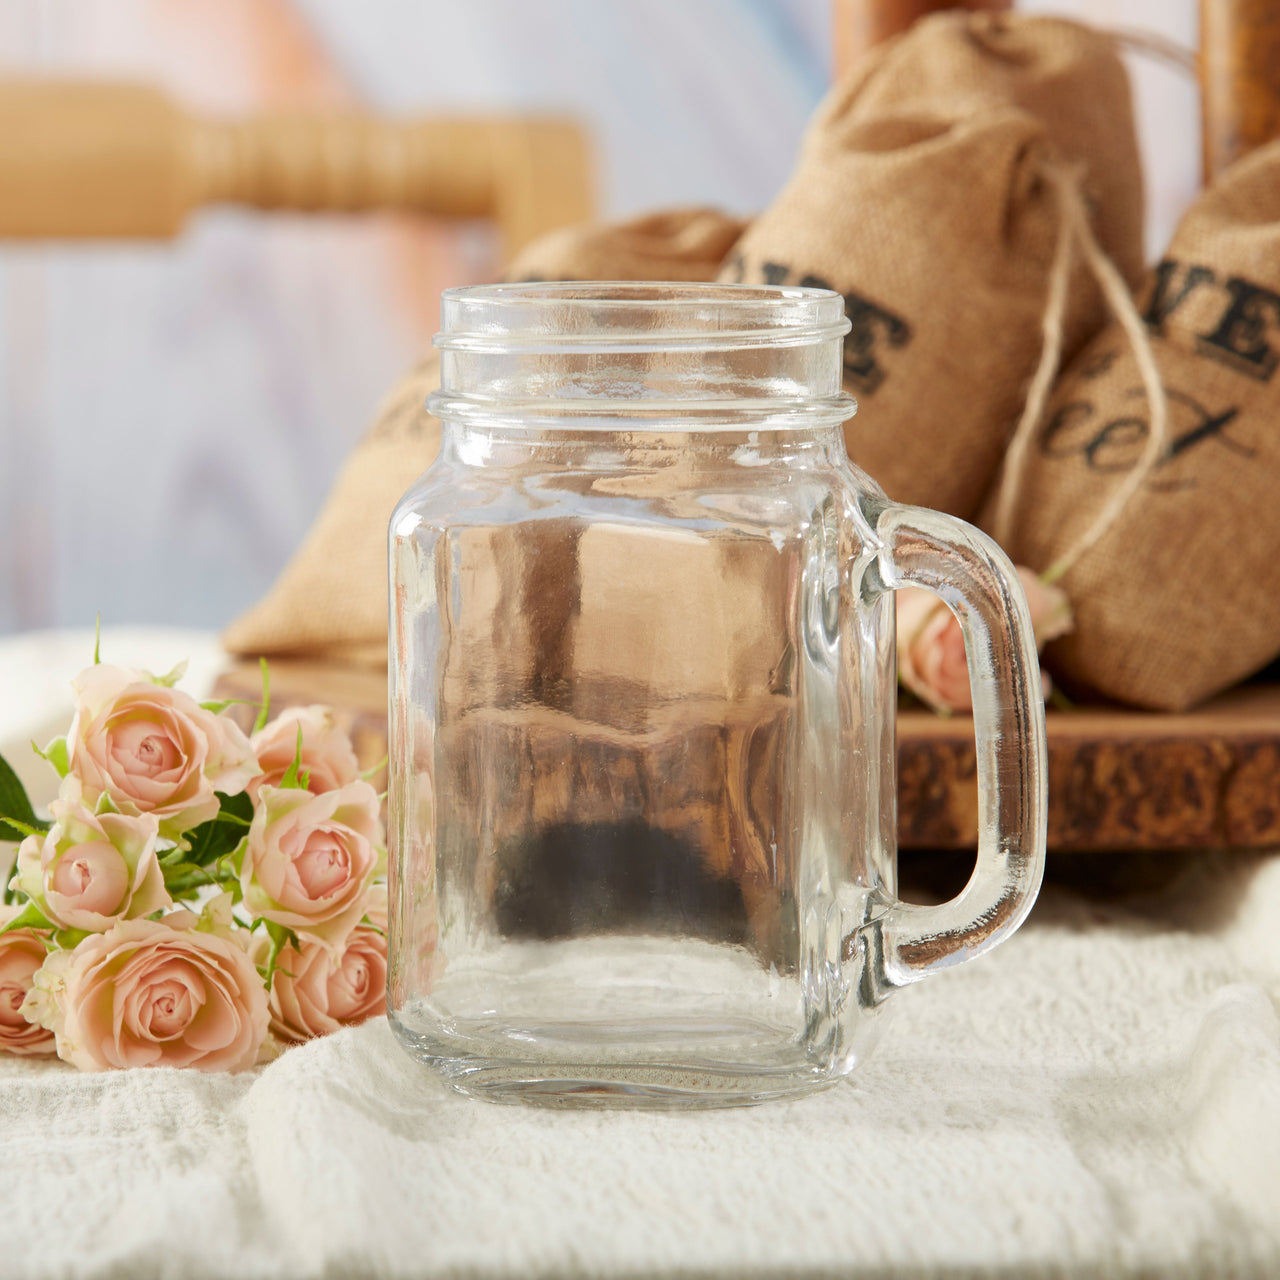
(197, 895)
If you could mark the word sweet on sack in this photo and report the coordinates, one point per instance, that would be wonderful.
(1170, 602)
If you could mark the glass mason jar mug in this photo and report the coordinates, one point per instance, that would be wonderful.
(642, 799)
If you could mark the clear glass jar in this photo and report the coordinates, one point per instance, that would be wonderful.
(642, 706)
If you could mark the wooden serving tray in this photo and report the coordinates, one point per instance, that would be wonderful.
(1118, 779)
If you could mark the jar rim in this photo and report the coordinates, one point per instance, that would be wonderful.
(669, 292)
(629, 315)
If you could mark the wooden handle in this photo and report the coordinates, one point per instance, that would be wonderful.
(1239, 78)
(90, 160)
(859, 24)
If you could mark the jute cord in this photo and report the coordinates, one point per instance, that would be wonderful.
(1157, 46)
(1074, 230)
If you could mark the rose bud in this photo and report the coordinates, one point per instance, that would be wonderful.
(90, 871)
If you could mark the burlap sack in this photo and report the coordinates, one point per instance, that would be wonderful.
(1176, 601)
(331, 599)
(918, 196)
(674, 244)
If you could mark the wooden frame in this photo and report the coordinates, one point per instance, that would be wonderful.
(95, 159)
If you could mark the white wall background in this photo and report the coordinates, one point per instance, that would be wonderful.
(171, 415)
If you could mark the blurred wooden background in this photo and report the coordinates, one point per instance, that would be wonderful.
(202, 373)
(225, 373)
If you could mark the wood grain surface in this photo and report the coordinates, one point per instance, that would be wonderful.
(101, 159)
(1239, 78)
(1118, 779)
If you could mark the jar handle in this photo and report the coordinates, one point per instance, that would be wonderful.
(977, 582)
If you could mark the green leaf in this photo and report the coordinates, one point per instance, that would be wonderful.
(367, 923)
(170, 678)
(1059, 700)
(238, 806)
(97, 639)
(195, 879)
(281, 937)
(260, 722)
(186, 877)
(369, 774)
(69, 939)
(219, 705)
(57, 754)
(105, 805)
(175, 871)
(15, 806)
(222, 833)
(30, 917)
(22, 827)
(290, 779)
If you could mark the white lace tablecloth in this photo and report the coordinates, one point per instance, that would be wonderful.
(1100, 1097)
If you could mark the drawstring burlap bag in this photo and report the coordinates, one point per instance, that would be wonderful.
(919, 195)
(673, 244)
(1150, 484)
(330, 601)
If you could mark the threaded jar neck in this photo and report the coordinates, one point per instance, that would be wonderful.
(642, 356)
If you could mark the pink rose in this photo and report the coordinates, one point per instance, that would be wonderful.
(92, 871)
(316, 990)
(22, 952)
(308, 860)
(1049, 606)
(326, 751)
(931, 657)
(153, 993)
(152, 749)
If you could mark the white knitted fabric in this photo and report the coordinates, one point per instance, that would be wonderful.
(1099, 1097)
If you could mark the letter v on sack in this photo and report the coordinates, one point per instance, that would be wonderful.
(1165, 297)
(1239, 338)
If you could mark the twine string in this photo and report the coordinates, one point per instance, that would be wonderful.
(1075, 230)
(1154, 45)
(1052, 324)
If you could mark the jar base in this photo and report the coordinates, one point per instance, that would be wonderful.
(581, 1085)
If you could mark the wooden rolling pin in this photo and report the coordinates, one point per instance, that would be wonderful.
(859, 24)
(1239, 78)
(84, 159)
